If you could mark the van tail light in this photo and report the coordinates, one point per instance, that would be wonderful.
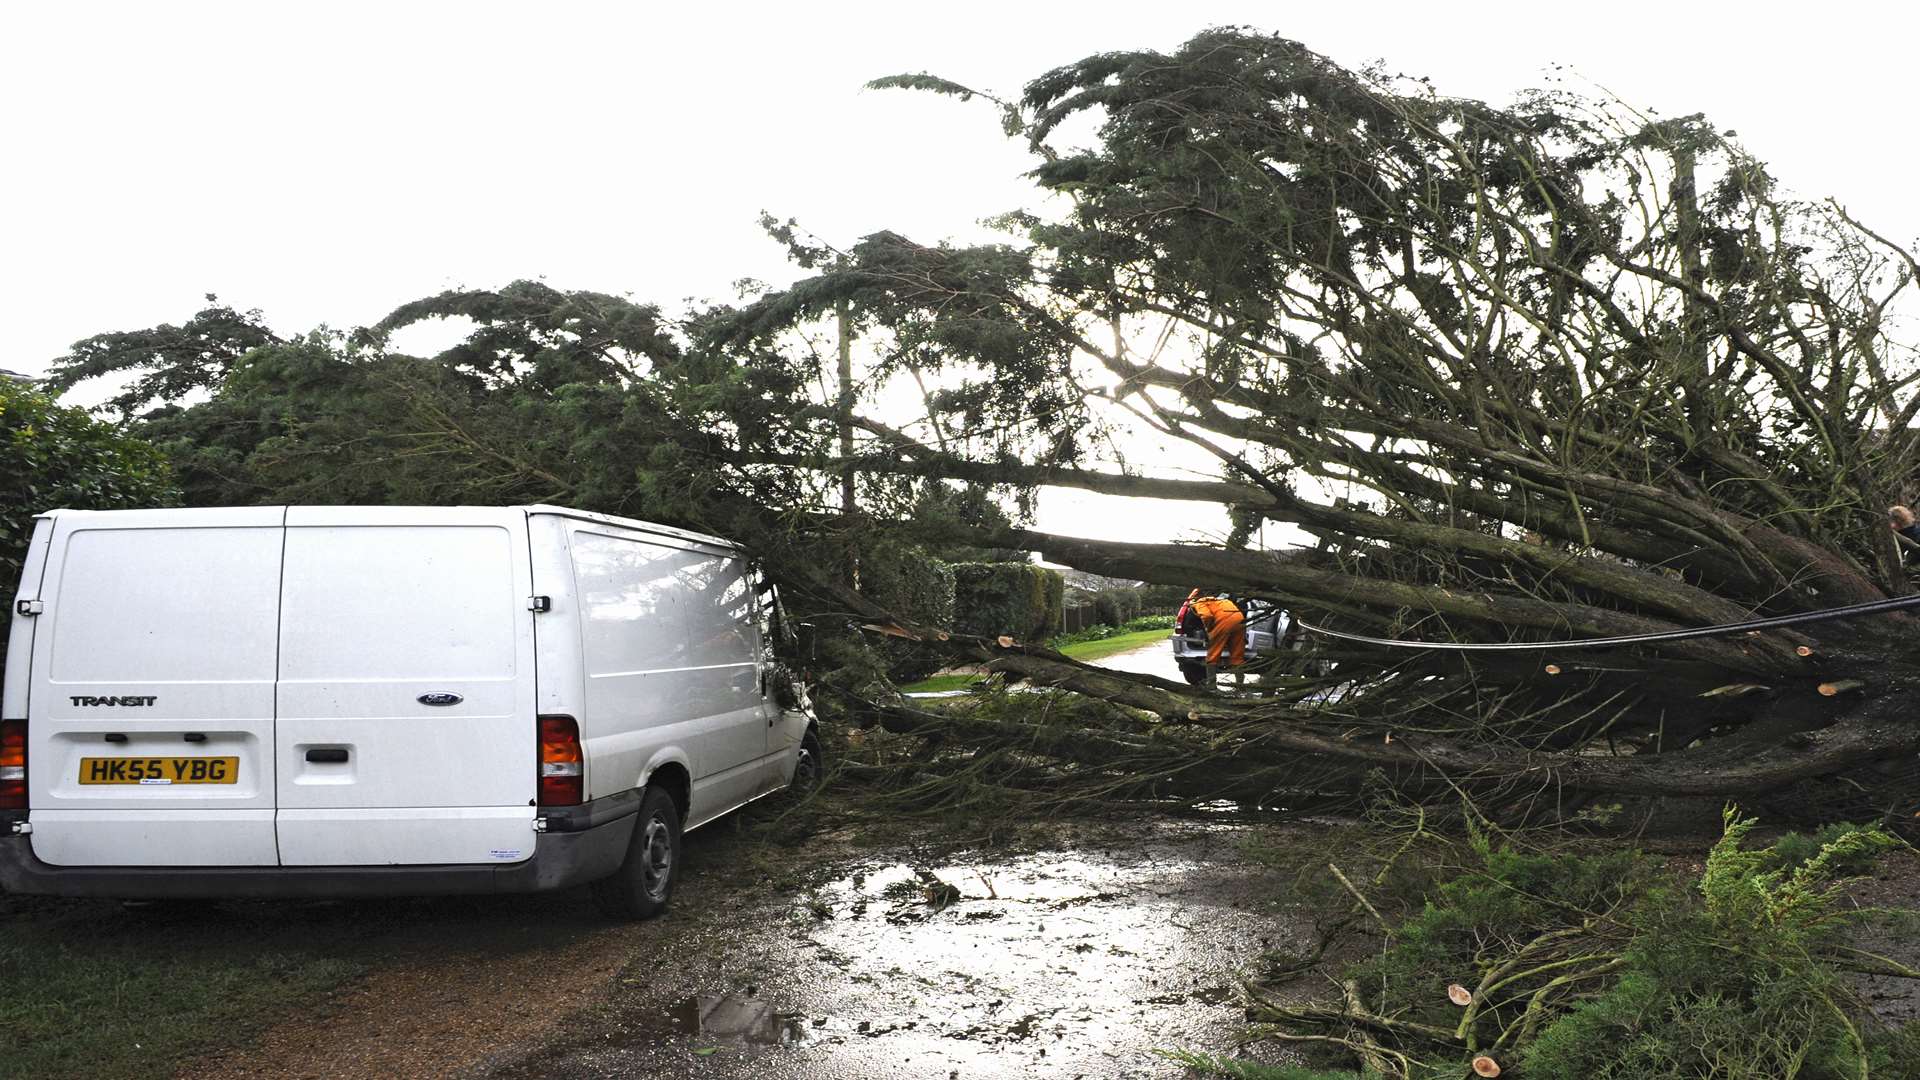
(13, 764)
(562, 776)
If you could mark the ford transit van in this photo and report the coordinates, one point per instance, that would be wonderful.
(355, 701)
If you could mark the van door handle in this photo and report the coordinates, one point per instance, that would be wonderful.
(334, 756)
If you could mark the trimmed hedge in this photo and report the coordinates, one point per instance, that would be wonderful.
(910, 582)
(916, 586)
(1020, 599)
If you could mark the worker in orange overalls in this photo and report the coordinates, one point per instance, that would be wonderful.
(1225, 625)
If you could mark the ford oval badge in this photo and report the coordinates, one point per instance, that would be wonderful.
(440, 698)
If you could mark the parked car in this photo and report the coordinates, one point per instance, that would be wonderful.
(1269, 631)
(355, 701)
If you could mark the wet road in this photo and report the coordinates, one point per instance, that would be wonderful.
(1079, 960)
(1154, 659)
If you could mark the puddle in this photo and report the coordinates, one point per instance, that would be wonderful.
(1070, 963)
(1036, 960)
(733, 1018)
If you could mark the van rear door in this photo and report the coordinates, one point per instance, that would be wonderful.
(406, 719)
(150, 714)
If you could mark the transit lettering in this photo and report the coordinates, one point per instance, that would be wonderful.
(89, 701)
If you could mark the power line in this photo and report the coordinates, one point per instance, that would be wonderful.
(1872, 607)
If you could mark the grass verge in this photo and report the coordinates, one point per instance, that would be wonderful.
(942, 683)
(90, 990)
(1089, 651)
(1083, 651)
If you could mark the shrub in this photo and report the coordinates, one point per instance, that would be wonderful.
(1007, 598)
(910, 582)
(1115, 606)
(1103, 631)
(1209, 1066)
(1165, 598)
(1602, 967)
(1096, 632)
(1746, 980)
(916, 586)
(51, 457)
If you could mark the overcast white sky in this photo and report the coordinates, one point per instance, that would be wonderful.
(326, 162)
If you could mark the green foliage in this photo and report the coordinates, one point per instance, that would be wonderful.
(921, 81)
(1847, 857)
(52, 457)
(578, 397)
(1511, 904)
(166, 362)
(1777, 892)
(1206, 1065)
(1166, 598)
(575, 397)
(1116, 606)
(913, 585)
(910, 583)
(1007, 598)
(531, 334)
(1604, 967)
(1349, 273)
(1096, 632)
(996, 356)
(1103, 631)
(305, 421)
(1747, 982)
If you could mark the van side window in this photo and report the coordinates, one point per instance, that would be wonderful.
(632, 600)
(723, 619)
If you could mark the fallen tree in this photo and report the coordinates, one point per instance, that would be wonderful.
(1528, 373)
(1534, 373)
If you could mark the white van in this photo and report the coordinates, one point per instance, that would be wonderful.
(354, 701)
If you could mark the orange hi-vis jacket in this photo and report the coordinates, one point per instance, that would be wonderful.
(1226, 627)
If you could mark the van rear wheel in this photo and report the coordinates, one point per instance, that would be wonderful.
(642, 886)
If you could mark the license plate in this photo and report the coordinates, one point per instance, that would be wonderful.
(159, 770)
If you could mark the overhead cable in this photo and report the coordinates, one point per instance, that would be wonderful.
(1872, 607)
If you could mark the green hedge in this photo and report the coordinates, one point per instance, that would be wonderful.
(910, 583)
(1020, 599)
(916, 586)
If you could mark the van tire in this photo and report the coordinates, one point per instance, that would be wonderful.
(809, 768)
(642, 886)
